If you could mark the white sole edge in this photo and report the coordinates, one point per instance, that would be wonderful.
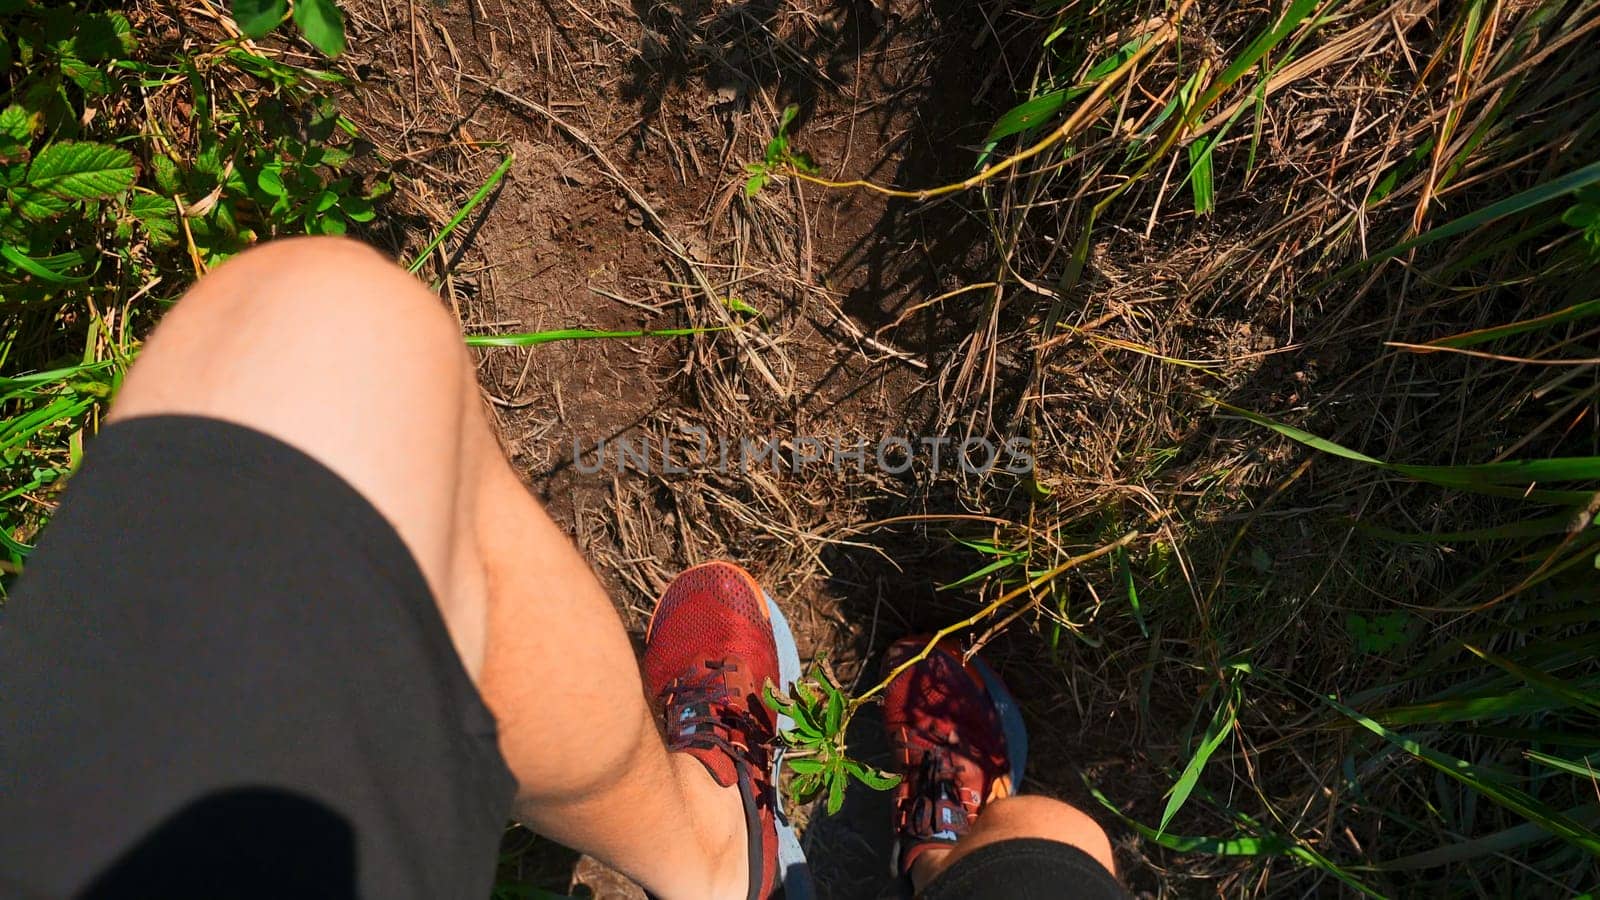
(794, 874)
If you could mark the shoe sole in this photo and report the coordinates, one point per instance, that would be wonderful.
(794, 873)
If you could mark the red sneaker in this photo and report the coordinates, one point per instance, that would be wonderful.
(714, 641)
(959, 743)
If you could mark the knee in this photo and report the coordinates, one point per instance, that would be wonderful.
(314, 285)
(291, 319)
(1032, 816)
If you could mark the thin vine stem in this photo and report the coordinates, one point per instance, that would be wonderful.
(995, 606)
(1079, 117)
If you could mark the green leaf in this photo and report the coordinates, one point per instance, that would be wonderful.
(35, 204)
(804, 787)
(1026, 115)
(1582, 215)
(97, 37)
(166, 173)
(807, 695)
(833, 719)
(1265, 845)
(1292, 18)
(321, 23)
(158, 215)
(1478, 336)
(358, 209)
(1216, 733)
(1527, 528)
(271, 183)
(81, 170)
(805, 766)
(754, 184)
(1040, 109)
(836, 784)
(737, 305)
(1534, 196)
(1125, 569)
(786, 707)
(258, 17)
(1472, 708)
(1581, 768)
(86, 75)
(1005, 562)
(777, 150)
(1510, 478)
(873, 778)
(1584, 698)
(17, 123)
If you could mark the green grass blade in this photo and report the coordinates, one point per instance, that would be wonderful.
(1581, 768)
(1297, 13)
(1241, 845)
(461, 215)
(1026, 115)
(534, 338)
(1483, 335)
(1200, 176)
(1473, 708)
(1234, 846)
(1542, 526)
(1552, 820)
(1508, 478)
(1500, 842)
(1216, 732)
(1586, 697)
(1528, 199)
(1002, 563)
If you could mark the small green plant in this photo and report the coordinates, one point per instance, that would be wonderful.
(318, 20)
(279, 166)
(816, 747)
(780, 156)
(127, 167)
(1379, 634)
(55, 182)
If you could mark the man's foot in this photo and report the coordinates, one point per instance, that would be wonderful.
(959, 744)
(714, 642)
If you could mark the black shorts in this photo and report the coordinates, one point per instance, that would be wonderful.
(223, 675)
(1025, 869)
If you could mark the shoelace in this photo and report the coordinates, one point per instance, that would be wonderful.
(702, 713)
(934, 810)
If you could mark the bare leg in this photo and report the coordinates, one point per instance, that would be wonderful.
(329, 347)
(1018, 817)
